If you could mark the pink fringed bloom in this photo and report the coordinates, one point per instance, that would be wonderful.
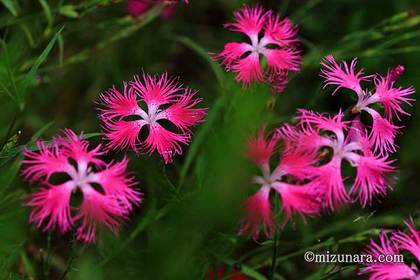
(320, 131)
(107, 190)
(138, 7)
(164, 100)
(385, 93)
(295, 197)
(393, 245)
(277, 46)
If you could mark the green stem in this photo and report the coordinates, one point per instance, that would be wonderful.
(274, 257)
(47, 263)
(72, 257)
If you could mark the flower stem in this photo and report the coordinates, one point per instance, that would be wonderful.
(70, 260)
(274, 258)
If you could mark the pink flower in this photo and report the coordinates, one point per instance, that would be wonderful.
(308, 138)
(382, 130)
(409, 242)
(393, 245)
(343, 76)
(164, 102)
(330, 181)
(383, 133)
(138, 7)
(370, 179)
(392, 98)
(347, 143)
(277, 46)
(296, 197)
(108, 196)
(258, 212)
(260, 149)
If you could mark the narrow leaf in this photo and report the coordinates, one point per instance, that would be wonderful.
(11, 6)
(29, 77)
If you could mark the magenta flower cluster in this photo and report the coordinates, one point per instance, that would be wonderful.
(309, 176)
(107, 190)
(382, 130)
(157, 105)
(302, 164)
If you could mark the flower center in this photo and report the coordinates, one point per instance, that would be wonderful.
(338, 148)
(153, 114)
(339, 153)
(258, 45)
(81, 177)
(81, 180)
(367, 99)
(259, 49)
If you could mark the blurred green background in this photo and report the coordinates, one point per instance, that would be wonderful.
(56, 57)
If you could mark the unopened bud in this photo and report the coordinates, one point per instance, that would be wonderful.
(396, 73)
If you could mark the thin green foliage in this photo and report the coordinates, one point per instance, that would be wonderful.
(187, 225)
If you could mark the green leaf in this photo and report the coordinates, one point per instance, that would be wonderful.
(7, 176)
(133, 26)
(28, 34)
(28, 266)
(140, 227)
(213, 115)
(4, 89)
(47, 12)
(13, 91)
(11, 6)
(88, 269)
(7, 261)
(30, 76)
(61, 50)
(200, 137)
(252, 273)
(69, 11)
(41, 131)
(217, 70)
